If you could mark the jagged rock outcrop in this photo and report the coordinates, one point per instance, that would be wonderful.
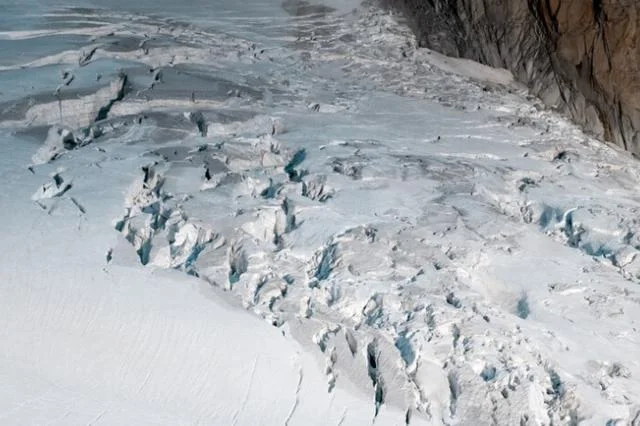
(580, 56)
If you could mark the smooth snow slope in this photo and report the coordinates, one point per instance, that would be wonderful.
(219, 216)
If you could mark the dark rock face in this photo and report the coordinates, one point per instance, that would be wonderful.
(580, 56)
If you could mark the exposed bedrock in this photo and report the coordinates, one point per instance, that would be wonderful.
(580, 56)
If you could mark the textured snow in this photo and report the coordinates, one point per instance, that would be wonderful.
(287, 214)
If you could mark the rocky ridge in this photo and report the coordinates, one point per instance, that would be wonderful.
(579, 57)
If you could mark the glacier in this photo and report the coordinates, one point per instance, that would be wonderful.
(228, 213)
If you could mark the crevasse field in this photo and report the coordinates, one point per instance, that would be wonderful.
(266, 213)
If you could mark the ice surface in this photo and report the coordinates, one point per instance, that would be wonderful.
(288, 214)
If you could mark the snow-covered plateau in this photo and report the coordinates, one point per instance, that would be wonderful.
(266, 213)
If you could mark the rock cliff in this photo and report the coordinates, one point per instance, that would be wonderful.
(582, 57)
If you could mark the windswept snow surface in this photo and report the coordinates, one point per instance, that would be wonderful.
(241, 214)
